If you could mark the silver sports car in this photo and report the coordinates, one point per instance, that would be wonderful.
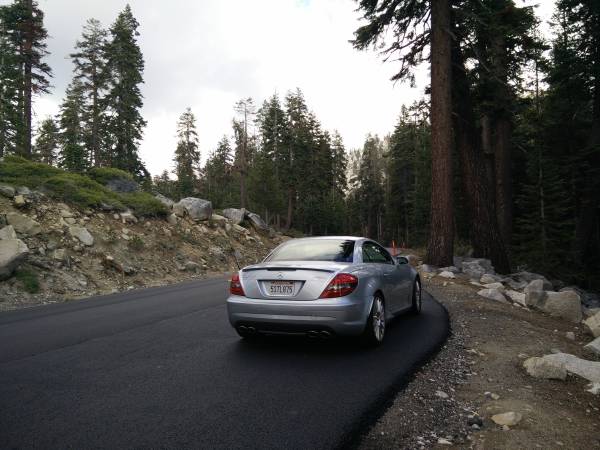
(323, 286)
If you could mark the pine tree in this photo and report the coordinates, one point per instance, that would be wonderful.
(124, 68)
(187, 155)
(90, 69)
(73, 153)
(218, 182)
(246, 111)
(10, 117)
(47, 142)
(370, 189)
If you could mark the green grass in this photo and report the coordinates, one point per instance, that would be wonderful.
(81, 190)
(29, 279)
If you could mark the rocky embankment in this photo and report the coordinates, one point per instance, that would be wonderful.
(52, 251)
(520, 369)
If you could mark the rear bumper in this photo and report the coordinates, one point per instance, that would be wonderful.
(342, 316)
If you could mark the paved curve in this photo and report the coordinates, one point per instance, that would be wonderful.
(161, 368)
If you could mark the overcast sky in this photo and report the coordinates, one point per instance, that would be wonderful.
(208, 54)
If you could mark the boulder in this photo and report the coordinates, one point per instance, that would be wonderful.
(530, 276)
(172, 219)
(237, 216)
(488, 278)
(7, 191)
(592, 325)
(534, 293)
(192, 266)
(66, 213)
(452, 269)
(194, 208)
(257, 222)
(589, 370)
(566, 305)
(165, 200)
(8, 232)
(12, 253)
(498, 286)
(492, 294)
(446, 274)
(593, 348)
(23, 224)
(477, 267)
(509, 419)
(23, 190)
(82, 235)
(516, 297)
(128, 217)
(543, 368)
(19, 201)
(218, 218)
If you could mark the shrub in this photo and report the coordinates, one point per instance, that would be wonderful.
(144, 204)
(29, 279)
(136, 243)
(104, 174)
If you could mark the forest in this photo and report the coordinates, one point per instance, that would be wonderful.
(500, 158)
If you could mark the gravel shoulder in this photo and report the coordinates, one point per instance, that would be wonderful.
(478, 373)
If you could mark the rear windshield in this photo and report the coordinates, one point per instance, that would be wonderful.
(338, 250)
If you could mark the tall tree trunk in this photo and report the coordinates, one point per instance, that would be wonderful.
(488, 152)
(27, 85)
(502, 161)
(483, 227)
(290, 208)
(441, 233)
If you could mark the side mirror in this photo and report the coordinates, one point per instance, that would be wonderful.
(401, 260)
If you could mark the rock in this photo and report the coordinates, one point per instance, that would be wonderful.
(592, 325)
(13, 252)
(60, 254)
(122, 185)
(65, 213)
(488, 278)
(218, 218)
(542, 368)
(82, 235)
(570, 335)
(441, 394)
(442, 441)
(110, 263)
(474, 420)
(530, 276)
(452, 269)
(510, 419)
(172, 219)
(593, 388)
(517, 285)
(516, 297)
(23, 190)
(446, 274)
(23, 224)
(239, 229)
(413, 260)
(70, 221)
(493, 294)
(192, 266)
(565, 305)
(257, 222)
(590, 370)
(7, 191)
(593, 348)
(165, 200)
(8, 232)
(19, 200)
(427, 268)
(496, 285)
(128, 217)
(477, 267)
(237, 216)
(194, 208)
(534, 293)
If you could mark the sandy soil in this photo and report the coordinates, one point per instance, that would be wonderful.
(480, 371)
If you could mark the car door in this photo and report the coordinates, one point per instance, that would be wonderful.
(377, 255)
(404, 282)
(393, 276)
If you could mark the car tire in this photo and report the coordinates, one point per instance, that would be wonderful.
(417, 297)
(375, 328)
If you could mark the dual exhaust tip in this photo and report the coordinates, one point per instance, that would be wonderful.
(312, 334)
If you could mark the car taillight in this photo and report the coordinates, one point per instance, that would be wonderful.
(235, 287)
(342, 284)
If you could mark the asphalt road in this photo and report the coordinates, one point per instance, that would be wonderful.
(162, 368)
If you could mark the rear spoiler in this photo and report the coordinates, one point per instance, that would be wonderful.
(287, 269)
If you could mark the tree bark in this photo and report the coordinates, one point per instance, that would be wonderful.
(483, 227)
(441, 233)
(502, 161)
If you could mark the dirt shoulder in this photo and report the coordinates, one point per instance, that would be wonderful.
(478, 373)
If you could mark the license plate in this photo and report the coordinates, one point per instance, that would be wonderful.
(281, 288)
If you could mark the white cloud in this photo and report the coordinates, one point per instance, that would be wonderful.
(208, 54)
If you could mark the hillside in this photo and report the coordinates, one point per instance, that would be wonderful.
(65, 236)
